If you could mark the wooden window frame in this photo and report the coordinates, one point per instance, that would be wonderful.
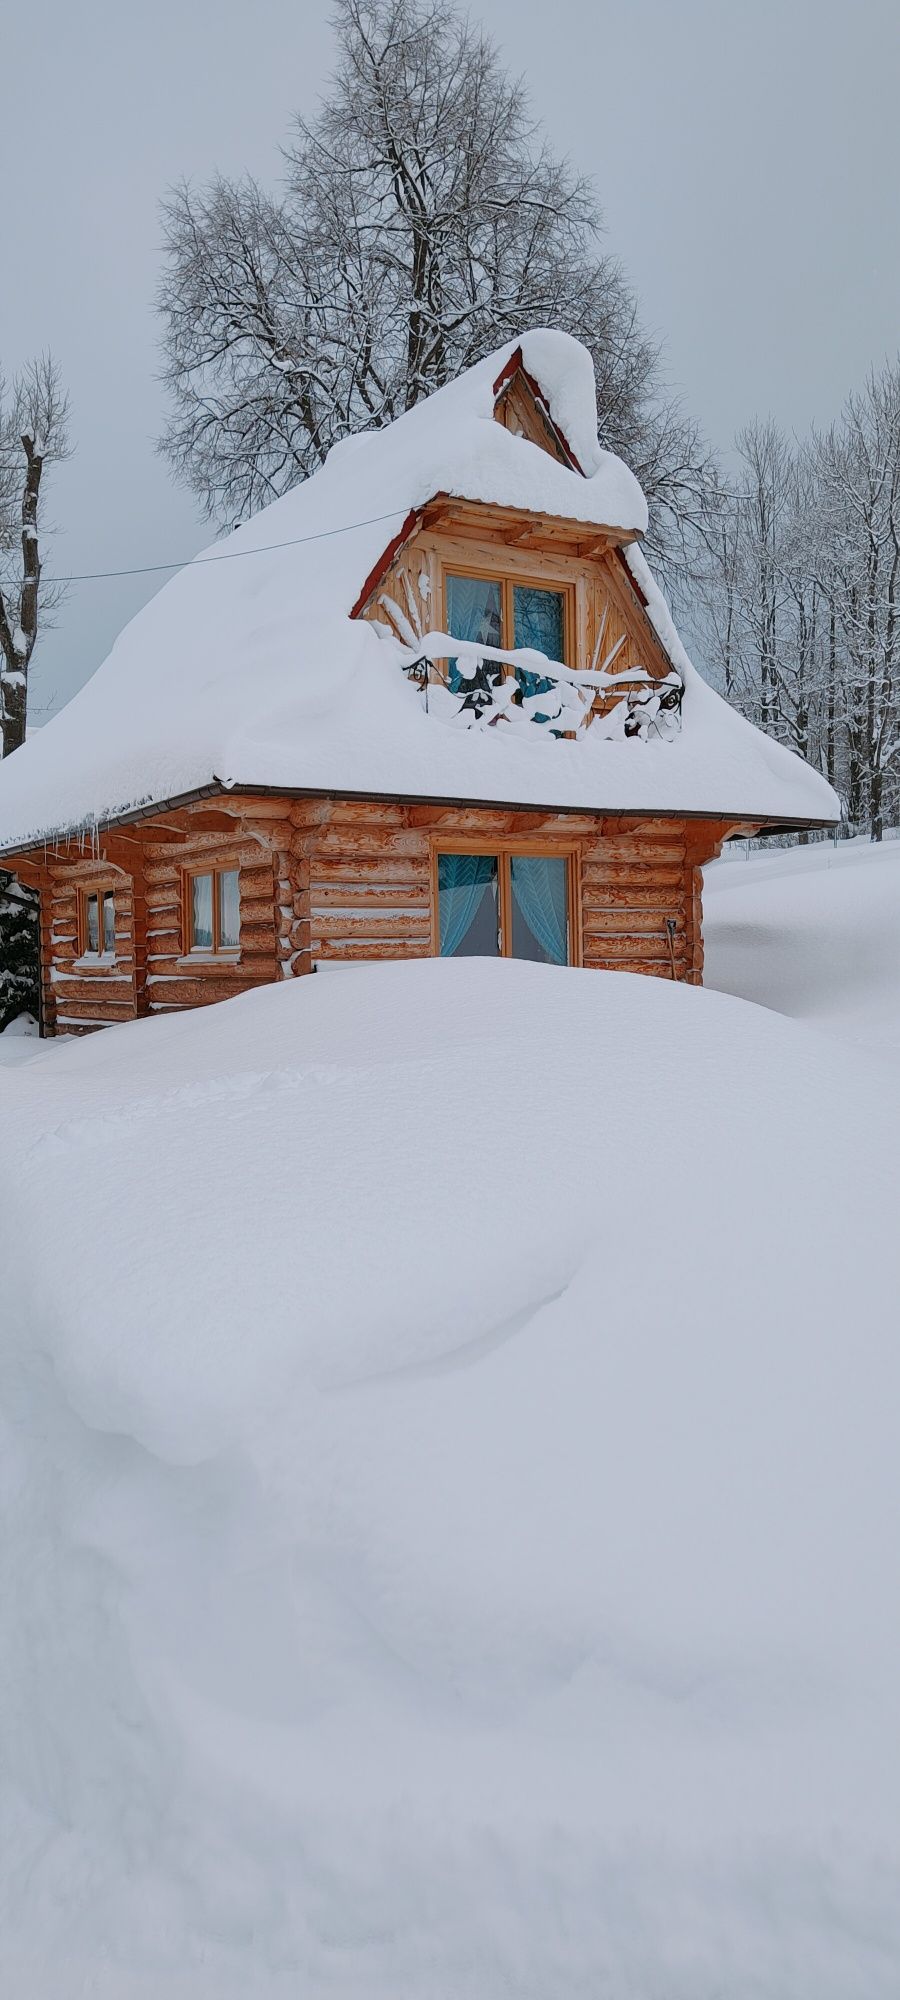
(85, 892)
(505, 848)
(495, 571)
(197, 953)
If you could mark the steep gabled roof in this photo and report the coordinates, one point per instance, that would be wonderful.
(248, 668)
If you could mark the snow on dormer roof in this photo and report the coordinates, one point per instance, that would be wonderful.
(247, 668)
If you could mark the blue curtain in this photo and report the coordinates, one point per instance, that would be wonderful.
(474, 612)
(462, 880)
(540, 887)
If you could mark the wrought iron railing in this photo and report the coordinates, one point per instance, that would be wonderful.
(483, 686)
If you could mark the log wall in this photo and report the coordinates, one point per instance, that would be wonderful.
(372, 881)
(80, 993)
(345, 881)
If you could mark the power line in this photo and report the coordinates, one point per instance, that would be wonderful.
(227, 555)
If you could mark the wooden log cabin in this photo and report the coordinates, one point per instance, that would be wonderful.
(429, 702)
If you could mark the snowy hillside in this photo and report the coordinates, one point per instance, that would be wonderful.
(450, 1485)
(813, 932)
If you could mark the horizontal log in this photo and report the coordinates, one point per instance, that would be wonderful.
(370, 896)
(631, 896)
(615, 824)
(257, 880)
(365, 812)
(360, 949)
(91, 1006)
(651, 853)
(628, 945)
(84, 872)
(259, 933)
(254, 956)
(192, 992)
(606, 923)
(409, 868)
(368, 841)
(653, 967)
(400, 925)
(163, 875)
(196, 849)
(602, 875)
(258, 887)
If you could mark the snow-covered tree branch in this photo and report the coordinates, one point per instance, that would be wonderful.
(423, 221)
(33, 436)
(801, 594)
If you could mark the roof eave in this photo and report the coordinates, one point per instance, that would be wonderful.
(763, 823)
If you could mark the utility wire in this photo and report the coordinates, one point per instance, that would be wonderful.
(227, 555)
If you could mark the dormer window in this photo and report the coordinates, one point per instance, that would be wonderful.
(501, 612)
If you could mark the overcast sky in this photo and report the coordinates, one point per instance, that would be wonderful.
(747, 156)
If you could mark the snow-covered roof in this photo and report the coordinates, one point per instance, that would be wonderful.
(247, 668)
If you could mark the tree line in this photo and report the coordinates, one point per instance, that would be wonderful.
(798, 597)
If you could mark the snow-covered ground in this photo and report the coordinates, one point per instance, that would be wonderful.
(813, 932)
(450, 1490)
(19, 1041)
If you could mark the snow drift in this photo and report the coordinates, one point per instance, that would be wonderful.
(813, 932)
(450, 1489)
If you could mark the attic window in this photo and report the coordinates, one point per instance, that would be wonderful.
(212, 910)
(97, 924)
(497, 611)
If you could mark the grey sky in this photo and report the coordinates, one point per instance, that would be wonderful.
(747, 155)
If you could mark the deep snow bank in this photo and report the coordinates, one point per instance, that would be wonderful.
(812, 931)
(450, 1487)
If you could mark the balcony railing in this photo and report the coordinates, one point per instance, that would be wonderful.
(485, 686)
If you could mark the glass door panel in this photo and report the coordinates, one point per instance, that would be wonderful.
(539, 621)
(474, 611)
(469, 906)
(540, 908)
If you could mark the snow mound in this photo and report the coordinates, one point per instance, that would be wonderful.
(450, 1489)
(811, 931)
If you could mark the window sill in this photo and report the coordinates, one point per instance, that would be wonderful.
(208, 961)
(95, 961)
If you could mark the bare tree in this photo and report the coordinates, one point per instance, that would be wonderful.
(423, 221)
(33, 436)
(858, 465)
(801, 594)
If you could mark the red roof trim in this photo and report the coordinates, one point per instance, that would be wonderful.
(384, 562)
(516, 366)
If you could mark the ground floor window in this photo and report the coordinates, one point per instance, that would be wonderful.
(504, 906)
(98, 923)
(212, 910)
